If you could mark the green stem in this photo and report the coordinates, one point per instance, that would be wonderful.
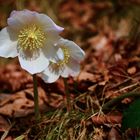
(117, 100)
(36, 105)
(67, 94)
(19, 4)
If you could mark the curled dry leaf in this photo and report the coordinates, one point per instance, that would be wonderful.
(22, 103)
(112, 118)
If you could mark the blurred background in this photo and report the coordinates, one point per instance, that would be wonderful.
(79, 13)
(90, 23)
(87, 22)
(109, 33)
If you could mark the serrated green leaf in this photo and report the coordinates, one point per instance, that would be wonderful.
(131, 116)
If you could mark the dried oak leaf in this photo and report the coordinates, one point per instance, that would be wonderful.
(13, 78)
(21, 103)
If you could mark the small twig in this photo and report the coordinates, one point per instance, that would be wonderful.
(115, 101)
(128, 87)
(119, 84)
(3, 137)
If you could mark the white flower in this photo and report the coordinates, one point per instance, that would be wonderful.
(68, 58)
(30, 36)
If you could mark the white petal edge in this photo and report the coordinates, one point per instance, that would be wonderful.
(48, 23)
(19, 19)
(71, 69)
(34, 66)
(50, 51)
(48, 76)
(8, 47)
(75, 51)
(60, 54)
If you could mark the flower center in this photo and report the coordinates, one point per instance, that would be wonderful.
(31, 37)
(66, 57)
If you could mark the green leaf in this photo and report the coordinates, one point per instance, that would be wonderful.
(131, 116)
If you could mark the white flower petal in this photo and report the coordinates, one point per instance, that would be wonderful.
(7, 46)
(60, 54)
(50, 52)
(34, 66)
(19, 19)
(71, 69)
(49, 48)
(52, 37)
(75, 51)
(49, 76)
(54, 54)
(48, 23)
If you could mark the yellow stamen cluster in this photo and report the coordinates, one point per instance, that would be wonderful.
(66, 57)
(31, 37)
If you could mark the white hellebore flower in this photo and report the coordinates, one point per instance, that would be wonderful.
(30, 36)
(69, 56)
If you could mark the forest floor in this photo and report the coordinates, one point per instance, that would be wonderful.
(99, 95)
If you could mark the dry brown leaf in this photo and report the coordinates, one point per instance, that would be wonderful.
(111, 94)
(112, 118)
(84, 76)
(99, 134)
(118, 70)
(114, 135)
(4, 125)
(92, 88)
(22, 103)
(127, 100)
(132, 70)
(9, 138)
(98, 42)
(13, 78)
(55, 100)
(6, 1)
(78, 15)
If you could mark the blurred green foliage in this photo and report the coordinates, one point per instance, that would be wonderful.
(131, 115)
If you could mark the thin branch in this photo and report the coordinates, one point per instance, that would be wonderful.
(117, 100)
